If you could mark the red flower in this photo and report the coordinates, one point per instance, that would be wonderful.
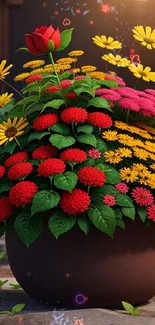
(66, 83)
(76, 202)
(71, 95)
(6, 208)
(16, 158)
(51, 167)
(19, 170)
(80, 77)
(142, 196)
(45, 121)
(2, 171)
(74, 115)
(109, 200)
(91, 176)
(100, 119)
(151, 212)
(22, 193)
(73, 155)
(34, 78)
(52, 89)
(44, 152)
(43, 40)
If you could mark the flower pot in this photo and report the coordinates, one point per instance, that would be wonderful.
(87, 271)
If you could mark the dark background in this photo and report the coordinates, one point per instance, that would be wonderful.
(114, 18)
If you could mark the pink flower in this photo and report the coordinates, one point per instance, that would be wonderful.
(109, 200)
(145, 103)
(150, 91)
(122, 187)
(120, 81)
(151, 212)
(142, 196)
(94, 153)
(108, 94)
(130, 104)
(80, 77)
(127, 92)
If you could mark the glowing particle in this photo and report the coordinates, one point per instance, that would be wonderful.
(66, 22)
(105, 8)
(91, 22)
(117, 29)
(68, 275)
(80, 299)
(28, 274)
(78, 11)
(86, 298)
(132, 51)
(56, 13)
(44, 4)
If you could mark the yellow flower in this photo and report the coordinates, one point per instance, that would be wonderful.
(140, 153)
(36, 71)
(140, 72)
(121, 125)
(76, 53)
(145, 36)
(34, 64)
(88, 68)
(146, 127)
(125, 152)
(11, 129)
(22, 76)
(110, 135)
(151, 156)
(152, 166)
(126, 140)
(76, 70)
(116, 60)
(50, 70)
(97, 75)
(140, 168)
(143, 177)
(136, 130)
(64, 66)
(4, 99)
(128, 175)
(107, 42)
(4, 71)
(113, 157)
(66, 61)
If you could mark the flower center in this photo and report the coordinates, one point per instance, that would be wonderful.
(11, 132)
(148, 40)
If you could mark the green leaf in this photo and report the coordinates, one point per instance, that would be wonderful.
(84, 89)
(25, 49)
(101, 145)
(118, 213)
(10, 147)
(129, 212)
(44, 201)
(60, 223)
(6, 312)
(37, 136)
(124, 200)
(5, 185)
(66, 181)
(60, 128)
(60, 141)
(142, 213)
(120, 223)
(2, 228)
(112, 175)
(108, 83)
(3, 255)
(99, 102)
(128, 307)
(84, 224)
(103, 218)
(3, 282)
(136, 312)
(66, 37)
(85, 128)
(55, 103)
(15, 286)
(27, 228)
(18, 308)
(108, 189)
(87, 139)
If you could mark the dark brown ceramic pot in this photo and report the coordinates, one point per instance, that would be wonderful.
(87, 271)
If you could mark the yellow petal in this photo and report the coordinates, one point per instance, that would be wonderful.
(140, 68)
(138, 38)
(148, 31)
(10, 139)
(110, 40)
(3, 141)
(145, 78)
(140, 29)
(14, 121)
(103, 38)
(20, 122)
(152, 76)
(2, 127)
(147, 70)
(8, 68)
(2, 65)
(9, 122)
(22, 126)
(19, 133)
(137, 75)
(149, 46)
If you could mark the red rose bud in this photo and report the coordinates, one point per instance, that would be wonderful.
(43, 40)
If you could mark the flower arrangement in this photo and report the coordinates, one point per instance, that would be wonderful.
(79, 145)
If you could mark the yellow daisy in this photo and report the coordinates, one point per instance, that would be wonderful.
(64, 66)
(125, 152)
(145, 35)
(34, 64)
(22, 76)
(128, 175)
(146, 127)
(121, 125)
(126, 140)
(110, 135)
(4, 99)
(116, 60)
(76, 70)
(140, 153)
(107, 42)
(66, 61)
(11, 129)
(113, 157)
(76, 53)
(151, 156)
(152, 166)
(140, 168)
(140, 72)
(88, 68)
(97, 75)
(144, 177)
(4, 71)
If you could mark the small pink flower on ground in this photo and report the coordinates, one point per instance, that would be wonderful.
(122, 187)
(142, 196)
(109, 200)
(130, 104)
(151, 212)
(150, 91)
(94, 153)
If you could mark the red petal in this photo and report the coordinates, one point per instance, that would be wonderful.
(49, 32)
(41, 42)
(30, 45)
(56, 38)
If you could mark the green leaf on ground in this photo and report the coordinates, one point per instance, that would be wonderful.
(130, 309)
(18, 308)
(2, 282)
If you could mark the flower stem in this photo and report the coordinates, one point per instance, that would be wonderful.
(12, 87)
(18, 143)
(56, 74)
(136, 85)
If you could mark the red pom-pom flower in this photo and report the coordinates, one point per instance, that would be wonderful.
(91, 176)
(73, 155)
(2, 171)
(51, 167)
(22, 193)
(44, 152)
(74, 115)
(6, 208)
(16, 158)
(19, 170)
(100, 120)
(76, 202)
(45, 121)
(34, 78)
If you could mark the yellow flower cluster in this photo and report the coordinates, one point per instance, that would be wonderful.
(138, 173)
(88, 68)
(132, 129)
(34, 64)
(99, 75)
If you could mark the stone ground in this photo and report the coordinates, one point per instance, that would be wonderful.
(37, 314)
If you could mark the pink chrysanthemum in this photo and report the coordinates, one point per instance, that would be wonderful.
(130, 104)
(144, 112)
(150, 91)
(122, 187)
(117, 79)
(94, 153)
(80, 77)
(109, 200)
(151, 212)
(147, 96)
(142, 196)
(108, 94)
(145, 104)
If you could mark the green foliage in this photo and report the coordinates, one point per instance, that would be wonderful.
(15, 310)
(66, 37)
(112, 175)
(60, 141)
(84, 88)
(66, 181)
(44, 201)
(3, 282)
(130, 309)
(37, 136)
(100, 103)
(142, 213)
(60, 128)
(60, 223)
(15, 286)
(85, 128)
(84, 224)
(103, 218)
(87, 139)
(3, 255)
(101, 145)
(55, 103)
